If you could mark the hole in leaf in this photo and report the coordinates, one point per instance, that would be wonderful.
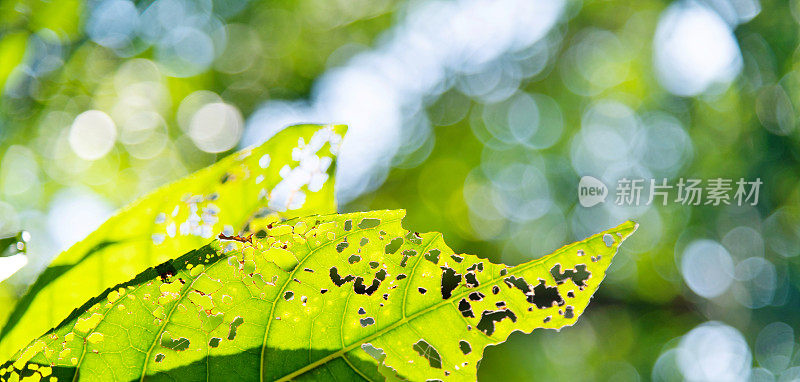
(608, 240)
(364, 241)
(476, 296)
(450, 280)
(466, 348)
(544, 296)
(406, 255)
(476, 267)
(568, 312)
(471, 280)
(519, 283)
(393, 245)
(160, 357)
(457, 259)
(166, 270)
(489, 317)
(465, 308)
(422, 290)
(348, 225)
(338, 280)
(288, 296)
(579, 275)
(414, 238)
(433, 256)
(214, 342)
(360, 288)
(354, 259)
(238, 321)
(179, 344)
(374, 352)
(368, 223)
(342, 246)
(366, 321)
(428, 352)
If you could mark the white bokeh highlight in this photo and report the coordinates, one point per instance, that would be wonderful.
(707, 268)
(216, 127)
(713, 351)
(381, 93)
(92, 135)
(693, 49)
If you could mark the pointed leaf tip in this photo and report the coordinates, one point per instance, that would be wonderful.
(352, 294)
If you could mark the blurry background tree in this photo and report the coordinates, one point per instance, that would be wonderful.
(477, 116)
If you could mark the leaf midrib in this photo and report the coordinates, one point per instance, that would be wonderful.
(5, 329)
(442, 303)
(187, 288)
(289, 279)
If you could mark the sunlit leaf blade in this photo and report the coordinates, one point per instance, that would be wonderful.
(339, 297)
(290, 175)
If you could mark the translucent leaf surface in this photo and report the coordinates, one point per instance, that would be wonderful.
(340, 297)
(290, 175)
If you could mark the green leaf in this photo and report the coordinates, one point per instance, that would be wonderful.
(340, 297)
(286, 176)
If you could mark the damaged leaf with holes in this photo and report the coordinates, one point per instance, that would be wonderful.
(288, 176)
(299, 304)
